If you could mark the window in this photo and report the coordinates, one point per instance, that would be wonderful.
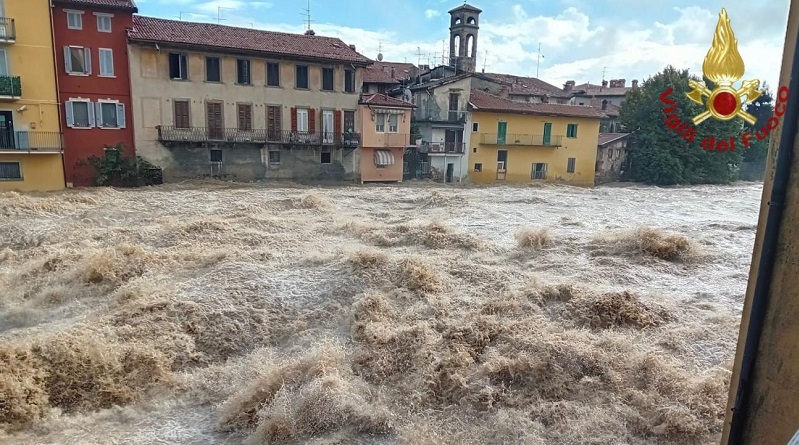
(78, 60)
(79, 113)
(349, 81)
(216, 155)
(110, 114)
(243, 72)
(392, 123)
(380, 123)
(474, 149)
(182, 119)
(106, 62)
(474, 127)
(302, 77)
(478, 167)
(10, 171)
(103, 22)
(381, 88)
(273, 74)
(326, 157)
(213, 71)
(75, 19)
(349, 122)
(571, 131)
(245, 117)
(539, 171)
(178, 68)
(4, 71)
(302, 119)
(327, 79)
(570, 165)
(274, 157)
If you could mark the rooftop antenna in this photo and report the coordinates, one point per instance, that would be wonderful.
(443, 52)
(219, 13)
(540, 56)
(307, 13)
(485, 61)
(603, 73)
(418, 56)
(379, 51)
(180, 16)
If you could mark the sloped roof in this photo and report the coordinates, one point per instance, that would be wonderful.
(442, 81)
(590, 89)
(482, 101)
(526, 86)
(150, 29)
(125, 5)
(466, 7)
(606, 138)
(382, 100)
(380, 72)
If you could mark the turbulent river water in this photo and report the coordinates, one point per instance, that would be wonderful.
(211, 313)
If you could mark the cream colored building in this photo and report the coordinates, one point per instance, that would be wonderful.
(244, 104)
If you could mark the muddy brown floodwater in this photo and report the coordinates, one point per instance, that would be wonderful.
(208, 313)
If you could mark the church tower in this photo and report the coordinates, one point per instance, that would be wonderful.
(464, 21)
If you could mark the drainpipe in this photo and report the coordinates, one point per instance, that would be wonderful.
(763, 380)
(58, 94)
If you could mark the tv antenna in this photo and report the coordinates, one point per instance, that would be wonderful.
(307, 13)
(540, 56)
(219, 14)
(485, 61)
(418, 56)
(180, 16)
(603, 73)
(379, 51)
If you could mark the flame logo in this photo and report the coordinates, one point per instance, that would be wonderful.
(723, 64)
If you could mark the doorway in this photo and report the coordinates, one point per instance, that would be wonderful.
(450, 171)
(327, 126)
(6, 130)
(502, 164)
(216, 128)
(547, 133)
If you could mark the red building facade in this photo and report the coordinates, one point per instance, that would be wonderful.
(93, 80)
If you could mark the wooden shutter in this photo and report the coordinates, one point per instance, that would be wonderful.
(293, 119)
(182, 114)
(337, 117)
(311, 120)
(245, 117)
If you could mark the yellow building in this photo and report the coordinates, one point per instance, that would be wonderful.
(514, 141)
(30, 130)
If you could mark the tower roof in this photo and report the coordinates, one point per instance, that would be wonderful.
(466, 7)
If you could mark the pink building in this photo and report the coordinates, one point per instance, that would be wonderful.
(386, 131)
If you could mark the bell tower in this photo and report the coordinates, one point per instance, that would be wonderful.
(464, 24)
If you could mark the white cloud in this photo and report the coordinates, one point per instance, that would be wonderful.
(430, 13)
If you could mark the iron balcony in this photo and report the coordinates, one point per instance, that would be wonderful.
(520, 140)
(8, 30)
(10, 87)
(447, 147)
(48, 141)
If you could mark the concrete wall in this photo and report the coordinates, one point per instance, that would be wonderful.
(521, 158)
(434, 104)
(610, 161)
(40, 172)
(154, 94)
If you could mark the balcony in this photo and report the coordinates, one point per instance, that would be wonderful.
(236, 136)
(394, 139)
(520, 140)
(456, 116)
(8, 30)
(10, 88)
(47, 141)
(442, 116)
(456, 148)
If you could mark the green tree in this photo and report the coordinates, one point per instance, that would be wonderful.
(116, 169)
(762, 108)
(664, 157)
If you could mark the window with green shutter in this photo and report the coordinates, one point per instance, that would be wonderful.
(571, 131)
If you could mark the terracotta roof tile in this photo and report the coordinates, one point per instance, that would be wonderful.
(125, 5)
(482, 101)
(380, 99)
(149, 29)
(526, 86)
(380, 72)
(605, 138)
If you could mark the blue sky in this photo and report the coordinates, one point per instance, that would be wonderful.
(628, 39)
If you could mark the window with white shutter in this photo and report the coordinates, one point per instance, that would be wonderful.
(110, 114)
(78, 60)
(106, 62)
(79, 113)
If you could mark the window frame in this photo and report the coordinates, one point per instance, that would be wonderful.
(544, 171)
(307, 113)
(87, 61)
(120, 109)
(211, 155)
(100, 62)
(321, 159)
(272, 162)
(239, 107)
(349, 86)
(478, 167)
(569, 133)
(396, 123)
(332, 71)
(91, 119)
(21, 174)
(218, 68)
(475, 127)
(100, 16)
(181, 56)
(248, 64)
(297, 77)
(175, 114)
(75, 13)
(380, 122)
(277, 65)
(571, 165)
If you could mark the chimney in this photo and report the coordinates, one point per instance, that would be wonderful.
(503, 91)
(622, 82)
(310, 33)
(604, 83)
(392, 72)
(635, 83)
(352, 47)
(604, 104)
(568, 85)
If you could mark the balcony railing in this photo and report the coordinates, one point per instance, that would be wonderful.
(10, 87)
(431, 115)
(447, 147)
(8, 30)
(522, 140)
(234, 135)
(30, 141)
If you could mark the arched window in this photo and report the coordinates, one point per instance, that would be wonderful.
(456, 21)
(456, 46)
(471, 21)
(470, 46)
